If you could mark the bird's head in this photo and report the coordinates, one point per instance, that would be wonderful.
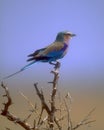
(64, 36)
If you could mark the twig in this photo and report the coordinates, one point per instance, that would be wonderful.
(84, 121)
(40, 115)
(60, 104)
(69, 118)
(25, 120)
(34, 125)
(57, 123)
(29, 102)
(68, 96)
(43, 121)
(8, 128)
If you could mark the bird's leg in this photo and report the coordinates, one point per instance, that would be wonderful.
(56, 66)
(52, 63)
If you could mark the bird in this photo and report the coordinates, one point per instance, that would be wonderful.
(50, 53)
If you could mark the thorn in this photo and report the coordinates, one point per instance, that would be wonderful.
(35, 84)
(17, 120)
(32, 110)
(4, 104)
(51, 82)
(5, 95)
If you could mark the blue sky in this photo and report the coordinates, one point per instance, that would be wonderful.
(29, 25)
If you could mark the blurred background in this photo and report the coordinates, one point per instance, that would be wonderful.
(29, 25)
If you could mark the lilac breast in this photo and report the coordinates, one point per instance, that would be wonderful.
(65, 47)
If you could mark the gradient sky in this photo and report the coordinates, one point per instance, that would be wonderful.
(29, 25)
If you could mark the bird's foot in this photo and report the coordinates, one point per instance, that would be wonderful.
(52, 63)
(56, 66)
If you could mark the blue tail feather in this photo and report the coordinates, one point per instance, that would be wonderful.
(26, 66)
(22, 69)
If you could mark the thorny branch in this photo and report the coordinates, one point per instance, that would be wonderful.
(50, 111)
(9, 102)
(5, 112)
(54, 90)
(51, 121)
(41, 96)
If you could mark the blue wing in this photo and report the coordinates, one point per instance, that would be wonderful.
(32, 56)
(52, 52)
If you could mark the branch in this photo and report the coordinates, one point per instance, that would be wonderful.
(5, 112)
(41, 96)
(55, 72)
(9, 102)
(40, 116)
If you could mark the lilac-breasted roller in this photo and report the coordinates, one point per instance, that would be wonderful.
(53, 52)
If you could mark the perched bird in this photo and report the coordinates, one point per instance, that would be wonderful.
(53, 52)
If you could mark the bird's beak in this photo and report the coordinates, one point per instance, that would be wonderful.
(72, 35)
